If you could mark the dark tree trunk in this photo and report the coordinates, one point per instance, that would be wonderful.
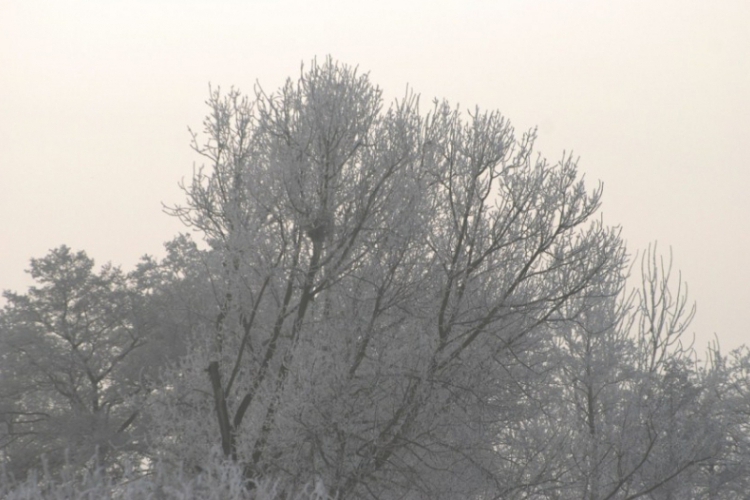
(228, 445)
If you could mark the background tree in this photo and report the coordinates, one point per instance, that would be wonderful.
(67, 377)
(632, 394)
(726, 383)
(177, 300)
(676, 414)
(596, 376)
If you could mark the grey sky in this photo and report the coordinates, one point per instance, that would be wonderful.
(654, 96)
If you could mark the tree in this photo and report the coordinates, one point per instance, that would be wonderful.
(595, 376)
(385, 276)
(726, 379)
(675, 407)
(68, 347)
(176, 301)
(388, 303)
(640, 417)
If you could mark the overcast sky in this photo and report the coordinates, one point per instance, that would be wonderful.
(654, 96)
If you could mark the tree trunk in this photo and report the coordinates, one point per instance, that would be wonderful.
(228, 444)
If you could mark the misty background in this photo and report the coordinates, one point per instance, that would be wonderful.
(654, 96)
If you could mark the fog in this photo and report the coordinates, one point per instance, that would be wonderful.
(96, 98)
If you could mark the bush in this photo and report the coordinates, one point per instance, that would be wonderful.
(221, 480)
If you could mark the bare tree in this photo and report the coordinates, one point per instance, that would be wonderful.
(637, 408)
(66, 377)
(385, 276)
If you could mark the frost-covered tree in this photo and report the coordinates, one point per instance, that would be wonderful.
(386, 275)
(726, 393)
(67, 374)
(176, 301)
(388, 303)
(638, 417)
(676, 434)
(595, 376)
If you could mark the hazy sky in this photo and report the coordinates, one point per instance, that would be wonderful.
(654, 96)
